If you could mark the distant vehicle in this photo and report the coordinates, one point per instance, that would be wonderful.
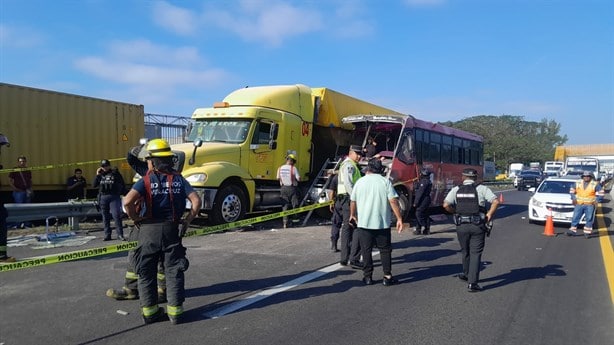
(528, 178)
(553, 194)
(515, 169)
(551, 173)
(535, 166)
(553, 166)
(576, 165)
(490, 171)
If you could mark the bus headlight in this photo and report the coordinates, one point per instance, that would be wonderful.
(197, 178)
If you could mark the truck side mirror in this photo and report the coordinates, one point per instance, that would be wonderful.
(197, 143)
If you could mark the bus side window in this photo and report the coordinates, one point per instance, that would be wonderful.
(404, 153)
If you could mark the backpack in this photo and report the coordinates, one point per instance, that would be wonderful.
(467, 200)
(106, 183)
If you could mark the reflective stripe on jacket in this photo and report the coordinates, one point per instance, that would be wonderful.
(342, 175)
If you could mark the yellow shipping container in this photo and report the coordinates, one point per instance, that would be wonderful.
(59, 132)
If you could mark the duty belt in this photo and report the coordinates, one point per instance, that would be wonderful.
(342, 197)
(475, 219)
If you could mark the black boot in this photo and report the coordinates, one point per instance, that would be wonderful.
(333, 246)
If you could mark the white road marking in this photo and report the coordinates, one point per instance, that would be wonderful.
(259, 296)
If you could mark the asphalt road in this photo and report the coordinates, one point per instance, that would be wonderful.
(284, 286)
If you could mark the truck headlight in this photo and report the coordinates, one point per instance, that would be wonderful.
(197, 178)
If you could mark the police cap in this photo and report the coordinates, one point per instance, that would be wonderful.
(105, 163)
(357, 149)
(470, 172)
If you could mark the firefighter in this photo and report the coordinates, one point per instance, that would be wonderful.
(468, 203)
(130, 289)
(163, 192)
(422, 202)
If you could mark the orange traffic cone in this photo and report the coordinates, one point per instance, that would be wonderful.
(549, 228)
(500, 198)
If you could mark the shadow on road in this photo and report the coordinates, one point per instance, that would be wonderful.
(521, 274)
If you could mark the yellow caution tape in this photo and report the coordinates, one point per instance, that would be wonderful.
(126, 246)
(63, 257)
(54, 166)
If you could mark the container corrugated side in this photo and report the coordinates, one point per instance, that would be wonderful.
(52, 128)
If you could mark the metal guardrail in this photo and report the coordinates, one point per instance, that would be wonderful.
(73, 210)
(497, 183)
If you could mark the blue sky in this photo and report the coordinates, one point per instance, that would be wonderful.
(438, 60)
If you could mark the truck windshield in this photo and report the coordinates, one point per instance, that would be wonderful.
(224, 131)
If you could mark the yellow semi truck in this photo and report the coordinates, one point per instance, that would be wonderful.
(238, 144)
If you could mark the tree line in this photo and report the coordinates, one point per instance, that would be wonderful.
(509, 139)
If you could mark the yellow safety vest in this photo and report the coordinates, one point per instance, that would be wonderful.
(340, 185)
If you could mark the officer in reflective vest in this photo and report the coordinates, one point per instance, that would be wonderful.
(161, 227)
(584, 197)
(468, 204)
(289, 178)
(349, 173)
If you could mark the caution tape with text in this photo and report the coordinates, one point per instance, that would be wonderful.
(92, 252)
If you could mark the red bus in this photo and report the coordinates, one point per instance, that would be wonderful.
(406, 145)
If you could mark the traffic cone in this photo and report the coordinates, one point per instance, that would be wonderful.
(500, 198)
(549, 227)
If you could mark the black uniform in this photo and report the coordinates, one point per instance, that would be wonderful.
(422, 203)
(110, 186)
(337, 217)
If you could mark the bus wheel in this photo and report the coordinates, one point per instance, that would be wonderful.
(404, 206)
(229, 206)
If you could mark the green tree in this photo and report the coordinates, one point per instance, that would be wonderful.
(509, 138)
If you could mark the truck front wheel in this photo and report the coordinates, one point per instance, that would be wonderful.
(229, 206)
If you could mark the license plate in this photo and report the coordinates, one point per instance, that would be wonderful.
(559, 215)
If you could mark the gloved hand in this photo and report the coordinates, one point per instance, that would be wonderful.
(182, 229)
(136, 150)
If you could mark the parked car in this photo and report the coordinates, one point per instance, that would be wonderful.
(553, 194)
(528, 179)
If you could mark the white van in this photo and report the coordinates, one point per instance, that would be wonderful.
(515, 169)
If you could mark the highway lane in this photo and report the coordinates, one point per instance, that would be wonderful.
(538, 290)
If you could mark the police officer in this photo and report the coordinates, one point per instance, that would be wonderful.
(164, 193)
(422, 202)
(468, 204)
(336, 218)
(289, 178)
(110, 184)
(349, 173)
(130, 290)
